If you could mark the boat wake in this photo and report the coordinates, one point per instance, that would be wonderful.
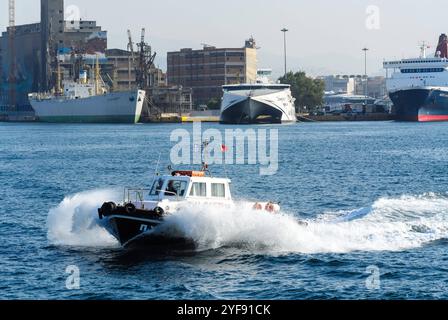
(390, 224)
(75, 221)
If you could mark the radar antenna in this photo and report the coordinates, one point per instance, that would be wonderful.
(423, 48)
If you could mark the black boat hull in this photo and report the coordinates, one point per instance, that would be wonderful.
(250, 111)
(420, 105)
(126, 229)
(132, 227)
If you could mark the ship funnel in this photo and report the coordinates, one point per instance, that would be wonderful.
(442, 47)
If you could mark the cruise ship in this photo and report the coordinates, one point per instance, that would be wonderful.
(261, 103)
(419, 87)
(86, 101)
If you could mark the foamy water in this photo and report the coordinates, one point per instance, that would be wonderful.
(344, 168)
(387, 225)
(75, 221)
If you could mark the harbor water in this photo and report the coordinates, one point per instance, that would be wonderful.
(374, 196)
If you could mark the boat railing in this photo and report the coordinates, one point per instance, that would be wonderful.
(174, 194)
(134, 195)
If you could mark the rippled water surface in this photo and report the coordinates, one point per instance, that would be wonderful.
(373, 195)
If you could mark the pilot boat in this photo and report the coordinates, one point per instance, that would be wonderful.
(144, 211)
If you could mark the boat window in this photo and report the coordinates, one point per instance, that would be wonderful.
(198, 190)
(156, 188)
(218, 190)
(176, 188)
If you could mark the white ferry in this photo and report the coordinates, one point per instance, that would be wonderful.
(262, 102)
(419, 87)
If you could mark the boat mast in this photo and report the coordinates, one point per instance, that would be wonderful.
(97, 76)
(423, 48)
(58, 79)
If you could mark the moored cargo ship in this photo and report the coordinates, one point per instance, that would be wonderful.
(117, 107)
(85, 101)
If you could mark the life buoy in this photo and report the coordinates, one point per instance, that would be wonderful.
(270, 207)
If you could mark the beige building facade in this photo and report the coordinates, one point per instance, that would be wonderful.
(208, 69)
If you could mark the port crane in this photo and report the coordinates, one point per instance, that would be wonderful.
(146, 59)
(143, 62)
(143, 59)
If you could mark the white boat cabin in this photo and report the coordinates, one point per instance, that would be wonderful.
(184, 185)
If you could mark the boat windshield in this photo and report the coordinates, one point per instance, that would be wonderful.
(176, 188)
(157, 187)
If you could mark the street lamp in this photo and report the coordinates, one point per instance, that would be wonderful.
(365, 74)
(284, 30)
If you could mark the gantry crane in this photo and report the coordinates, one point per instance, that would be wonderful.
(144, 61)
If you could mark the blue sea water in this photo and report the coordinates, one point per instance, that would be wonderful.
(374, 195)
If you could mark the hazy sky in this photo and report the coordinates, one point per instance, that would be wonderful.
(325, 37)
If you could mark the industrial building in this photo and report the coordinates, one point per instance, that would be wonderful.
(356, 85)
(208, 69)
(119, 68)
(339, 84)
(36, 57)
(123, 73)
(29, 53)
(375, 87)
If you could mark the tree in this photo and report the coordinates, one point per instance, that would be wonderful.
(214, 104)
(308, 92)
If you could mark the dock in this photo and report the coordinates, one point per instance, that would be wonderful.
(212, 116)
(17, 116)
(200, 119)
(346, 117)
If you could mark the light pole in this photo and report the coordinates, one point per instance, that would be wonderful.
(284, 30)
(366, 79)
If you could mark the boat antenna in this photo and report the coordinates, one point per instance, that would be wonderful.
(205, 167)
(224, 150)
(157, 173)
(423, 48)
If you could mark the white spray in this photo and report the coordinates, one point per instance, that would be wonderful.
(388, 225)
(75, 221)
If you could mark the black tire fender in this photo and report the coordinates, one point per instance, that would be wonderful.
(159, 211)
(130, 208)
(108, 208)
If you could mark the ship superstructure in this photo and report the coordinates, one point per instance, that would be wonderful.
(419, 87)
